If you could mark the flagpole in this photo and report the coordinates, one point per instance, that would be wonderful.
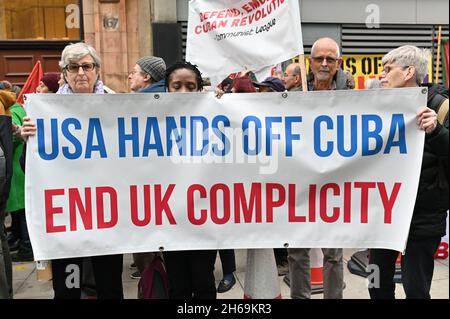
(301, 60)
(438, 60)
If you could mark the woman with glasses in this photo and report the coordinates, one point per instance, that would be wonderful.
(80, 65)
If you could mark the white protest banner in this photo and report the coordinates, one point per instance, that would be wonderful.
(231, 36)
(134, 173)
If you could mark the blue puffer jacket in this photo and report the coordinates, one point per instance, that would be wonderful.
(155, 88)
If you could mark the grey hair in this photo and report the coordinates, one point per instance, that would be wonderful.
(16, 89)
(76, 51)
(296, 68)
(409, 55)
(313, 48)
(372, 84)
(6, 85)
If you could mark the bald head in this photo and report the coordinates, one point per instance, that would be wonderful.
(325, 44)
(325, 61)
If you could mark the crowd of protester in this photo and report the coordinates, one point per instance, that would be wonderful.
(191, 273)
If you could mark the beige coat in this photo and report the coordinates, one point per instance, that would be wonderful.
(7, 99)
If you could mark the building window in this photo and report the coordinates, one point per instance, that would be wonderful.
(40, 20)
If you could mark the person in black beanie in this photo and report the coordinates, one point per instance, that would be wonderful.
(147, 75)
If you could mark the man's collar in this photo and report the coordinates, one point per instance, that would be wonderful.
(310, 80)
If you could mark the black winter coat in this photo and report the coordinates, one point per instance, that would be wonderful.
(6, 164)
(432, 202)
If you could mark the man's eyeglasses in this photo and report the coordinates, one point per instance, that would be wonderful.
(329, 59)
(74, 68)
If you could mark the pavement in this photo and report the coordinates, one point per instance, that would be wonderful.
(26, 285)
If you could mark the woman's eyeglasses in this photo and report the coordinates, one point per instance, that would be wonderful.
(74, 68)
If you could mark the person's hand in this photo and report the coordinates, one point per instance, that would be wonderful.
(28, 128)
(17, 131)
(218, 93)
(427, 119)
(245, 73)
(15, 128)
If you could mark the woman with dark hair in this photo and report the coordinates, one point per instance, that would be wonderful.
(191, 272)
(183, 77)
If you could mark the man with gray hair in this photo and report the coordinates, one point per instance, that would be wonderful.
(292, 80)
(325, 74)
(407, 66)
(292, 77)
(148, 75)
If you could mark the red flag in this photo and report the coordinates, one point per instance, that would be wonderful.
(32, 81)
(445, 63)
